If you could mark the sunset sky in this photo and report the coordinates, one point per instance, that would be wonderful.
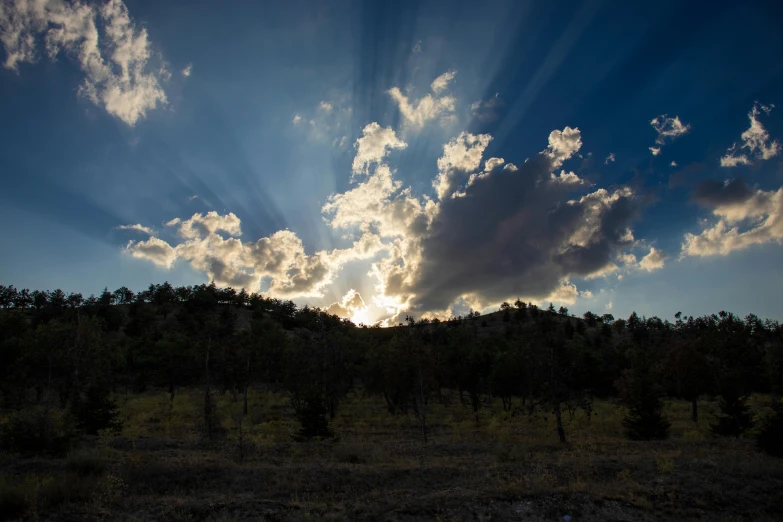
(389, 158)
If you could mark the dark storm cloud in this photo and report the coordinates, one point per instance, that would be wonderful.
(711, 193)
(520, 233)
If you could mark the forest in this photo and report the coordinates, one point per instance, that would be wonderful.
(93, 387)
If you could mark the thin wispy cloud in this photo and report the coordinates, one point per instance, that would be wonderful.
(756, 142)
(137, 228)
(668, 128)
(418, 112)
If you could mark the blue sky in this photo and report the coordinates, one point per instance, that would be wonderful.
(340, 153)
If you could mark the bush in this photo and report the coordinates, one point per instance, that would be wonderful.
(87, 463)
(38, 431)
(352, 453)
(312, 418)
(14, 496)
(771, 434)
(26, 496)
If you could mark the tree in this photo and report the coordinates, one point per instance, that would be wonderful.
(642, 398)
(510, 373)
(735, 417)
(521, 313)
(619, 325)
(563, 311)
(23, 299)
(771, 432)
(123, 296)
(688, 370)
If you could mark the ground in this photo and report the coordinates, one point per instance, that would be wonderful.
(494, 467)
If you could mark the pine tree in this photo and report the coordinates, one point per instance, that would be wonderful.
(735, 417)
(770, 438)
(642, 397)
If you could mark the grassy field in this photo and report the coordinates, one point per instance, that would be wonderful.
(491, 467)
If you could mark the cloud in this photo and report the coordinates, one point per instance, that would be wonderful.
(137, 228)
(112, 52)
(733, 160)
(517, 232)
(461, 155)
(279, 258)
(350, 306)
(441, 83)
(756, 140)
(187, 70)
(201, 225)
(154, 250)
(566, 177)
(566, 293)
(746, 217)
(562, 145)
(492, 230)
(668, 128)
(417, 113)
(711, 193)
(609, 159)
(655, 150)
(487, 110)
(328, 122)
(376, 142)
(653, 260)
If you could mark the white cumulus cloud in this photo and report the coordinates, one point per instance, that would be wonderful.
(112, 52)
(563, 144)
(654, 260)
(745, 217)
(376, 142)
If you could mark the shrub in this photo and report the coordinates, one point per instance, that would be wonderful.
(14, 495)
(26, 496)
(87, 463)
(37, 431)
(352, 453)
(771, 433)
(312, 417)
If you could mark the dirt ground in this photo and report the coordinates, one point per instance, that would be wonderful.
(378, 467)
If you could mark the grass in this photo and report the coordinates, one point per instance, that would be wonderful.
(378, 467)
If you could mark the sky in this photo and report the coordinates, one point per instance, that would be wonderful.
(384, 159)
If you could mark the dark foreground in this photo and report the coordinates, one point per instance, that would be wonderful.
(379, 468)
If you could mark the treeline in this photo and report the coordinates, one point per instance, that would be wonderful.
(62, 357)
